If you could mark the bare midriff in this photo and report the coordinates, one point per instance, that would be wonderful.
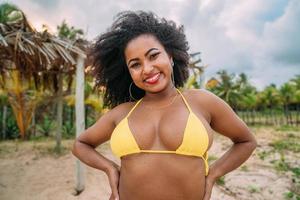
(153, 176)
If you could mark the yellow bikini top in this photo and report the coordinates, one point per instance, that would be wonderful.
(195, 138)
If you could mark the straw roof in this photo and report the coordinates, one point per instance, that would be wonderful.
(34, 53)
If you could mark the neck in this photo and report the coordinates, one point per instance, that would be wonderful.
(161, 96)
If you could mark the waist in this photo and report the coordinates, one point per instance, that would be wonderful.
(153, 176)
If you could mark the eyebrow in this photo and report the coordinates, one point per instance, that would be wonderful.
(135, 59)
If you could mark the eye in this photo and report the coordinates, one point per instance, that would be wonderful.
(135, 65)
(154, 55)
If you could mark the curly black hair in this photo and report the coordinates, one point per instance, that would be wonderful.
(108, 59)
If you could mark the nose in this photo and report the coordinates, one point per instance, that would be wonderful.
(148, 68)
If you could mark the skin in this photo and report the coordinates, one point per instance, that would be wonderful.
(158, 123)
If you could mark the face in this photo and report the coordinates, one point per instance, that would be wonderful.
(148, 63)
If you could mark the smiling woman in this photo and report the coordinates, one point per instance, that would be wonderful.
(160, 133)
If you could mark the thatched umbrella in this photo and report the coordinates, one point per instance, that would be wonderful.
(43, 57)
(38, 56)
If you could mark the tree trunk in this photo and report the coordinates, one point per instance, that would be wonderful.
(272, 117)
(286, 114)
(59, 114)
(251, 116)
(33, 128)
(254, 116)
(266, 116)
(80, 120)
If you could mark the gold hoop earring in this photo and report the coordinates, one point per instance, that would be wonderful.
(172, 73)
(173, 79)
(130, 94)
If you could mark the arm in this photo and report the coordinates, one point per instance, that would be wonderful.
(84, 149)
(226, 122)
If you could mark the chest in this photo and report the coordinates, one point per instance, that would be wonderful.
(163, 129)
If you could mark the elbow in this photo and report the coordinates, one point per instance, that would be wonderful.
(253, 144)
(75, 147)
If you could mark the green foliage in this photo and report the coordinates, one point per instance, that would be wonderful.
(291, 195)
(244, 168)
(253, 189)
(263, 154)
(296, 171)
(287, 128)
(46, 126)
(90, 121)
(68, 130)
(12, 130)
(221, 181)
(269, 97)
(290, 144)
(71, 33)
(9, 13)
(212, 158)
(236, 90)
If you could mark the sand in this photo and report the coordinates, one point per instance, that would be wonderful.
(30, 170)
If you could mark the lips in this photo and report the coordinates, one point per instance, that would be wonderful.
(153, 78)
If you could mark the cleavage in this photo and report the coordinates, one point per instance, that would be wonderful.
(158, 129)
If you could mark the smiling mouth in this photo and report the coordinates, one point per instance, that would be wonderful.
(153, 79)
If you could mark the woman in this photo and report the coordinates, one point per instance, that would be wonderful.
(161, 134)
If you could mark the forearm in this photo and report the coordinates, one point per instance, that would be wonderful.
(232, 159)
(88, 155)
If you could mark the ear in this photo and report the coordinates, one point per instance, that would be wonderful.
(172, 61)
(170, 57)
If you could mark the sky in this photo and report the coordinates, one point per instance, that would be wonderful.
(259, 38)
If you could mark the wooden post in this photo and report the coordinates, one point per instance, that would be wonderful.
(80, 124)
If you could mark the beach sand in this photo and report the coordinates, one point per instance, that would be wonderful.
(30, 171)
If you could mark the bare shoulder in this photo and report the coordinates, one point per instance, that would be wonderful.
(120, 111)
(101, 131)
(201, 96)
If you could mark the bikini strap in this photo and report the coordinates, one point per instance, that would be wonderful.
(186, 103)
(133, 107)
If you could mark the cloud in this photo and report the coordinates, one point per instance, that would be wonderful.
(260, 38)
(281, 38)
(256, 37)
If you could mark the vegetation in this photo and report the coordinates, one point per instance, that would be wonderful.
(271, 106)
(23, 95)
(32, 63)
(39, 103)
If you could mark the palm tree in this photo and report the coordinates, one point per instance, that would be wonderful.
(287, 92)
(296, 82)
(70, 33)
(269, 99)
(248, 98)
(196, 79)
(227, 89)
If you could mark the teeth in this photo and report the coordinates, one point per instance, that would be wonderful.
(153, 78)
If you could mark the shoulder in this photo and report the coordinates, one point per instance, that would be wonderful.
(120, 111)
(202, 96)
(205, 101)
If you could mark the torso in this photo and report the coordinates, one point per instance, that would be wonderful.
(163, 176)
